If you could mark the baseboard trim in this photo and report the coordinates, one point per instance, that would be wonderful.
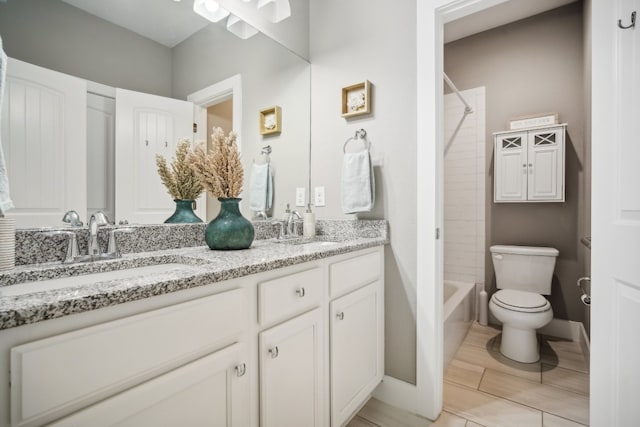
(585, 344)
(565, 329)
(398, 393)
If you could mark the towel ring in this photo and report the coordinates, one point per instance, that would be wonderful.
(360, 134)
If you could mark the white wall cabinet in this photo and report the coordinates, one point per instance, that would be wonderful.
(297, 346)
(529, 165)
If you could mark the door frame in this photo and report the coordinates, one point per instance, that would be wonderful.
(212, 95)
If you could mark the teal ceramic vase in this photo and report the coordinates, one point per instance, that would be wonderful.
(229, 230)
(184, 213)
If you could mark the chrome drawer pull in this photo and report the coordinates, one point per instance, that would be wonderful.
(301, 292)
(274, 352)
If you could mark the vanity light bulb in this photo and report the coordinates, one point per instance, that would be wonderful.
(211, 5)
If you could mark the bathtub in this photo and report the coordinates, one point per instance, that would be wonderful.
(459, 313)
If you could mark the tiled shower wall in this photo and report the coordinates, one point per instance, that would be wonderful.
(464, 188)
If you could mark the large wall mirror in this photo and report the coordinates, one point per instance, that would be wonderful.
(229, 81)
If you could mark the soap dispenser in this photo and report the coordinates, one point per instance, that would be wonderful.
(309, 223)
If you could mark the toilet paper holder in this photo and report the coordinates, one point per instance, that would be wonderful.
(585, 297)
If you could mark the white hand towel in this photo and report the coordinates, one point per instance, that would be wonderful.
(261, 188)
(358, 184)
(5, 198)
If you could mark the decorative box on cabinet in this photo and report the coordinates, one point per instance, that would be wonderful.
(529, 165)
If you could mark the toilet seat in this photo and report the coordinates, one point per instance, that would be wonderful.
(521, 301)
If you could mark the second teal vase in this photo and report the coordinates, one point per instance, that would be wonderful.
(184, 213)
(229, 230)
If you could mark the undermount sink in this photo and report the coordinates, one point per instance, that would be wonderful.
(306, 241)
(87, 279)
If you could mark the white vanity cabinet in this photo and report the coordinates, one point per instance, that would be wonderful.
(296, 346)
(530, 165)
(145, 366)
(356, 333)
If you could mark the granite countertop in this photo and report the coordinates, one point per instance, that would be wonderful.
(192, 267)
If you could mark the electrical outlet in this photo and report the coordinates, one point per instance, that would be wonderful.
(319, 196)
(300, 199)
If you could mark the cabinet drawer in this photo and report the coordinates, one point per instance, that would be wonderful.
(284, 297)
(55, 376)
(352, 273)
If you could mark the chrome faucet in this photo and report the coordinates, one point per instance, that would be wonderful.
(72, 218)
(291, 222)
(98, 219)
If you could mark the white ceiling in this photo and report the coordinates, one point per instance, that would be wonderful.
(504, 13)
(169, 22)
(166, 21)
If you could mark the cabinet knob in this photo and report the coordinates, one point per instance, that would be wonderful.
(340, 315)
(241, 369)
(301, 292)
(274, 352)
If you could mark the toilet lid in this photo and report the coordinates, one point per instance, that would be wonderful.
(523, 301)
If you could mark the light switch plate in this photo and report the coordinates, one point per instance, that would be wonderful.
(300, 199)
(319, 196)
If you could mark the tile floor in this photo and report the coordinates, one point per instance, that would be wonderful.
(484, 388)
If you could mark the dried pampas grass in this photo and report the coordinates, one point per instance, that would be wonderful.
(180, 179)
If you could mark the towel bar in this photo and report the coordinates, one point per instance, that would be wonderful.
(360, 134)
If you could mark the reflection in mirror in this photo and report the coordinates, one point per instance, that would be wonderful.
(60, 37)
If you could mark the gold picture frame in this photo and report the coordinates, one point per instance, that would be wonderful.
(356, 99)
(270, 120)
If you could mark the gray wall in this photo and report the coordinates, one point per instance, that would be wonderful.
(55, 35)
(352, 41)
(532, 66)
(271, 75)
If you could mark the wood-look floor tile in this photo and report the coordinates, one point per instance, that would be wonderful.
(550, 420)
(360, 422)
(488, 410)
(494, 360)
(463, 373)
(547, 398)
(566, 354)
(567, 379)
(384, 415)
(481, 335)
(472, 424)
(447, 419)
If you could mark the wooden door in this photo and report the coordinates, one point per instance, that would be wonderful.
(291, 367)
(44, 130)
(615, 289)
(146, 125)
(357, 349)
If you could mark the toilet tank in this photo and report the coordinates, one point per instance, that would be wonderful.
(524, 268)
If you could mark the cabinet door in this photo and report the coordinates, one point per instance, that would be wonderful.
(357, 349)
(546, 164)
(510, 178)
(212, 391)
(291, 362)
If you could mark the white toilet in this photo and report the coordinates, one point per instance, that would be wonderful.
(523, 273)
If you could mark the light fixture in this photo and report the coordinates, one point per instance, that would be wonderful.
(275, 10)
(210, 9)
(240, 28)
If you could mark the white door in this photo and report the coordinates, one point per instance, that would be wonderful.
(510, 176)
(101, 127)
(357, 349)
(545, 164)
(212, 391)
(146, 125)
(44, 141)
(615, 268)
(291, 366)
